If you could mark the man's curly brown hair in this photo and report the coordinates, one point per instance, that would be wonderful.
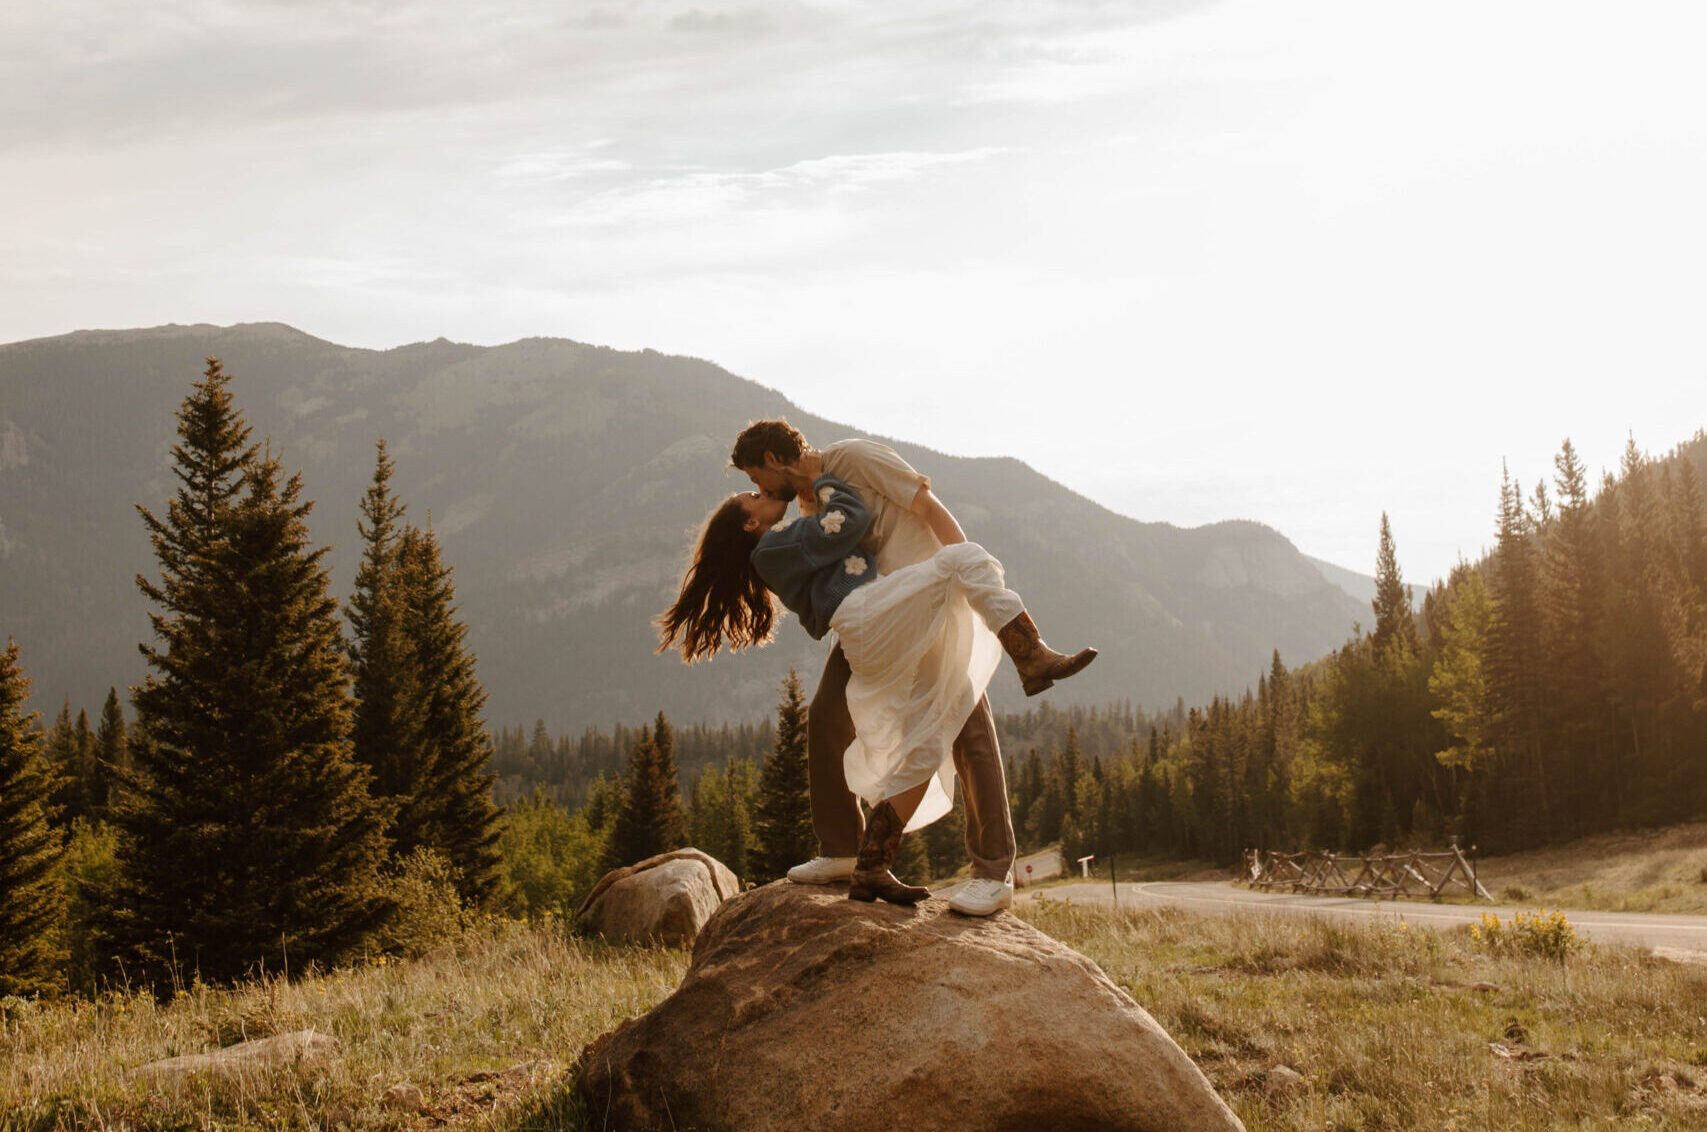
(777, 437)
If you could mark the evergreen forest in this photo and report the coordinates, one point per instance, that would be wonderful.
(304, 781)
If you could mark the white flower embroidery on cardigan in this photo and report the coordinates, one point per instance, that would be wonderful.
(782, 524)
(825, 493)
(832, 521)
(854, 565)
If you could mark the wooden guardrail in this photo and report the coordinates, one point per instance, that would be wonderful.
(1391, 874)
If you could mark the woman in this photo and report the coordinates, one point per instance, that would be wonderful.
(918, 668)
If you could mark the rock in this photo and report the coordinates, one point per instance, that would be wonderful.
(803, 1009)
(666, 898)
(403, 1097)
(261, 1053)
(1283, 1080)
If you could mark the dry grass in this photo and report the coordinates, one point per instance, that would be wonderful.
(1388, 1027)
(1660, 870)
(487, 1033)
(1390, 1030)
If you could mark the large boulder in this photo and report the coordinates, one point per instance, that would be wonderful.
(803, 1009)
(666, 898)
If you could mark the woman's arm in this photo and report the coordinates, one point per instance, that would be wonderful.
(823, 538)
(937, 517)
(841, 522)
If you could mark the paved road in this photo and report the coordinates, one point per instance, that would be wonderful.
(1044, 865)
(1683, 937)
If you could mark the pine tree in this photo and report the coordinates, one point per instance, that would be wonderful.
(111, 750)
(1573, 593)
(1632, 641)
(1393, 620)
(32, 901)
(72, 755)
(1459, 680)
(418, 700)
(62, 760)
(650, 820)
(458, 817)
(720, 816)
(388, 732)
(1513, 667)
(784, 819)
(247, 834)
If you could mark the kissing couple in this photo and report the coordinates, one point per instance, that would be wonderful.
(921, 617)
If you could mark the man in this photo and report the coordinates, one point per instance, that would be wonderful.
(909, 524)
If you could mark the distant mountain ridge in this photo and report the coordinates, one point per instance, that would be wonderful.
(1361, 587)
(565, 481)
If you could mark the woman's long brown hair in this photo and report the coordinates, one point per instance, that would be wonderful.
(723, 602)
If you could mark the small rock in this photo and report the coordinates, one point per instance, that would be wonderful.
(1283, 1080)
(260, 1053)
(1501, 1050)
(404, 1097)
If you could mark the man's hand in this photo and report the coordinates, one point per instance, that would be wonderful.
(937, 517)
(801, 475)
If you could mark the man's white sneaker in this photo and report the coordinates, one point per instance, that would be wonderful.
(822, 870)
(982, 897)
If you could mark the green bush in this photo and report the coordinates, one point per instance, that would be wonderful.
(550, 859)
(1546, 935)
(89, 866)
(427, 911)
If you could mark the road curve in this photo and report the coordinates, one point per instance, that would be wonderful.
(1681, 937)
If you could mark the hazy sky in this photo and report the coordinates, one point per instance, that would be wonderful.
(1297, 262)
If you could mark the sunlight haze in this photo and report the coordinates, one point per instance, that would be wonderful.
(1299, 263)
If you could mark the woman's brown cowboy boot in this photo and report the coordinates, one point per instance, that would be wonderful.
(1039, 665)
(872, 879)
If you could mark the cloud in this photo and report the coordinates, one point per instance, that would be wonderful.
(747, 21)
(536, 168)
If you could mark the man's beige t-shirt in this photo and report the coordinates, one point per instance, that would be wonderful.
(888, 484)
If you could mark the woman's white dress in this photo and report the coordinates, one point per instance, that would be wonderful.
(921, 645)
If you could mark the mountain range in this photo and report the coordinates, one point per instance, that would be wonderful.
(565, 482)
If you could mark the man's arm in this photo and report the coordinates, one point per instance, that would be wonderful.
(937, 517)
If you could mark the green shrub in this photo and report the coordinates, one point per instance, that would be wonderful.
(551, 859)
(89, 866)
(427, 913)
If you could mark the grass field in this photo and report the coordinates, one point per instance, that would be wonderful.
(1658, 870)
(486, 1033)
(1389, 1028)
(1396, 1029)
(1661, 870)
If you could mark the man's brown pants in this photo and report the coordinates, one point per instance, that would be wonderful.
(977, 760)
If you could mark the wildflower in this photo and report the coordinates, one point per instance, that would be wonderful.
(832, 521)
(854, 565)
